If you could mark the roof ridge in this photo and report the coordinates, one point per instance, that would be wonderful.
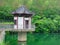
(22, 10)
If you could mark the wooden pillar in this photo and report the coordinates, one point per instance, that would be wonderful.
(22, 38)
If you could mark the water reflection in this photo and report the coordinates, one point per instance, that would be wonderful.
(43, 39)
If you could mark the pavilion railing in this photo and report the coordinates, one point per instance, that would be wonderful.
(11, 26)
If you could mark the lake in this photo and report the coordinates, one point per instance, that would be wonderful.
(43, 39)
(35, 39)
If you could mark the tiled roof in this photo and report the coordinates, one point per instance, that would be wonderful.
(22, 10)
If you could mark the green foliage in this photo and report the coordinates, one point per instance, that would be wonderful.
(5, 13)
(47, 21)
(47, 13)
(2, 43)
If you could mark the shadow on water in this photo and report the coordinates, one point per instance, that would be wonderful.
(43, 39)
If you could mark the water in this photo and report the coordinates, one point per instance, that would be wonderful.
(35, 39)
(43, 39)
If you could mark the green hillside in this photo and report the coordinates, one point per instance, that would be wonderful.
(29, 3)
